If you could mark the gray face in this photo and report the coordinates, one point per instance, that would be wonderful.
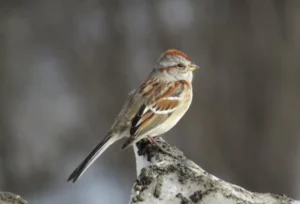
(174, 61)
(178, 68)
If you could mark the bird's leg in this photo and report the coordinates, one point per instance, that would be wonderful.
(160, 147)
(156, 144)
(153, 141)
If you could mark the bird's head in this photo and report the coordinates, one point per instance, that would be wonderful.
(175, 65)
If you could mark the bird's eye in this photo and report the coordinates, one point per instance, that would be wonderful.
(180, 65)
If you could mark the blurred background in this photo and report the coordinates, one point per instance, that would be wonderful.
(66, 68)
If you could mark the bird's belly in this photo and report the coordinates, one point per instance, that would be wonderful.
(170, 122)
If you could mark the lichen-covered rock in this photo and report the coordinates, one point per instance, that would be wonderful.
(10, 198)
(166, 176)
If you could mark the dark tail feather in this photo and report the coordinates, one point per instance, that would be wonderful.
(128, 143)
(95, 153)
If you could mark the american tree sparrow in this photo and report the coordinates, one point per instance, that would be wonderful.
(153, 108)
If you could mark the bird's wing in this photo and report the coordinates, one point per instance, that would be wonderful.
(160, 100)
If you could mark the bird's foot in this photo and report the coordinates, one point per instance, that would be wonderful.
(156, 144)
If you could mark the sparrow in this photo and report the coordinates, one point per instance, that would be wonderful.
(152, 109)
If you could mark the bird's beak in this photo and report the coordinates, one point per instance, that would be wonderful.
(193, 67)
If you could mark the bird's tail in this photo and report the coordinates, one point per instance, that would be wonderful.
(94, 154)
